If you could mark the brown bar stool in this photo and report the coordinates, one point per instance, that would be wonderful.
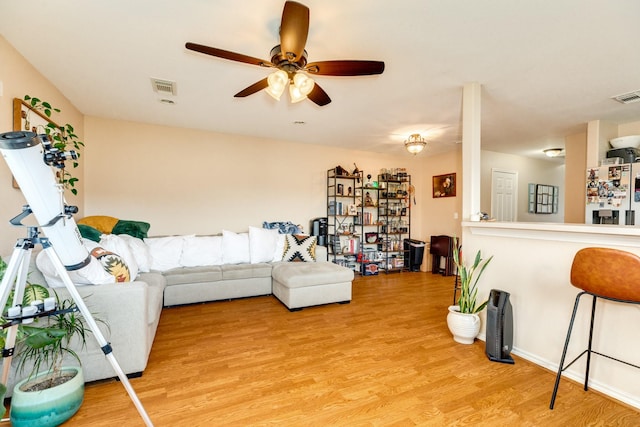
(609, 274)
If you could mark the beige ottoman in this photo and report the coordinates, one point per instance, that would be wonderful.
(304, 284)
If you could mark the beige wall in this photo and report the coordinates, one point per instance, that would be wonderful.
(632, 128)
(19, 78)
(188, 181)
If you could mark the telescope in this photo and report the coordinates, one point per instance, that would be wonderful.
(32, 159)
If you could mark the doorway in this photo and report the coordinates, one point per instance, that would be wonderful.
(504, 195)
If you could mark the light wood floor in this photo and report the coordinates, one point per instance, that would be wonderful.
(386, 359)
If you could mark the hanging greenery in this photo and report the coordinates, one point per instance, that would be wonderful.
(62, 137)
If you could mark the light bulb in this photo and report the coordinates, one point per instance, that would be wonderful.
(277, 82)
(301, 87)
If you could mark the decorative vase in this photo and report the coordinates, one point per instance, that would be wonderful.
(49, 407)
(464, 326)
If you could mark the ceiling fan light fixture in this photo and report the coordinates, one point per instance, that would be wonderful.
(553, 152)
(277, 82)
(415, 143)
(300, 87)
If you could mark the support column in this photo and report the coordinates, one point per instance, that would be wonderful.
(471, 145)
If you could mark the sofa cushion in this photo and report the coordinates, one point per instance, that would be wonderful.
(201, 251)
(186, 275)
(165, 252)
(263, 245)
(245, 271)
(235, 247)
(302, 274)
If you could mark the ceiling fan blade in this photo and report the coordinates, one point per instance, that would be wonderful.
(225, 54)
(345, 68)
(319, 96)
(294, 30)
(256, 87)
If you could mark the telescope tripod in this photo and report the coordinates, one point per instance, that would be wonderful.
(16, 273)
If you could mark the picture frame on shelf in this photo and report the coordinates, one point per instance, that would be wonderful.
(444, 185)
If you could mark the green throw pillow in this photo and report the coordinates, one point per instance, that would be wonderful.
(89, 232)
(137, 229)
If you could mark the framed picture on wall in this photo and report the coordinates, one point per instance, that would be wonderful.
(444, 185)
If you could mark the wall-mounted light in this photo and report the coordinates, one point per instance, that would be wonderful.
(553, 152)
(415, 143)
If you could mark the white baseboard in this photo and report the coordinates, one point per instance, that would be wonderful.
(596, 385)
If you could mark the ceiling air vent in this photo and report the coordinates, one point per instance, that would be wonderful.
(164, 86)
(628, 98)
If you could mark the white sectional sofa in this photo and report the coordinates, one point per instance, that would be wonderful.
(132, 310)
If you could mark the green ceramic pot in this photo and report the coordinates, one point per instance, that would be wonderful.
(49, 407)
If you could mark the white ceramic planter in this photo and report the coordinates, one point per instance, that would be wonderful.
(464, 327)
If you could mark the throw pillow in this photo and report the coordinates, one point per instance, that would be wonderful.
(140, 252)
(102, 222)
(112, 264)
(279, 252)
(262, 244)
(137, 229)
(300, 248)
(117, 245)
(89, 232)
(165, 252)
(201, 250)
(284, 227)
(91, 274)
(235, 248)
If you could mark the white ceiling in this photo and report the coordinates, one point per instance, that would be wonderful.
(546, 67)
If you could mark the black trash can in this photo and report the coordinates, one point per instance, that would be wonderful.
(416, 252)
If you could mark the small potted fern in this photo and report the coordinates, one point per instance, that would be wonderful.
(463, 319)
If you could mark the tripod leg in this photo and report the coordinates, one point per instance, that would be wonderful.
(17, 268)
(106, 347)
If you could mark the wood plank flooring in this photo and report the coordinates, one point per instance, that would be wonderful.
(386, 359)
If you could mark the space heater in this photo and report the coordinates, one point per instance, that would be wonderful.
(499, 331)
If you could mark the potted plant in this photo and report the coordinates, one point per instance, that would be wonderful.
(463, 319)
(62, 137)
(51, 393)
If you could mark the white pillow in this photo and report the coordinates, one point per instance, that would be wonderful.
(165, 252)
(235, 248)
(116, 244)
(279, 251)
(140, 252)
(201, 250)
(91, 274)
(262, 244)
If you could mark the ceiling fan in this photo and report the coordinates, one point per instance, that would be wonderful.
(290, 60)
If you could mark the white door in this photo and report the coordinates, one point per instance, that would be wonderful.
(504, 195)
